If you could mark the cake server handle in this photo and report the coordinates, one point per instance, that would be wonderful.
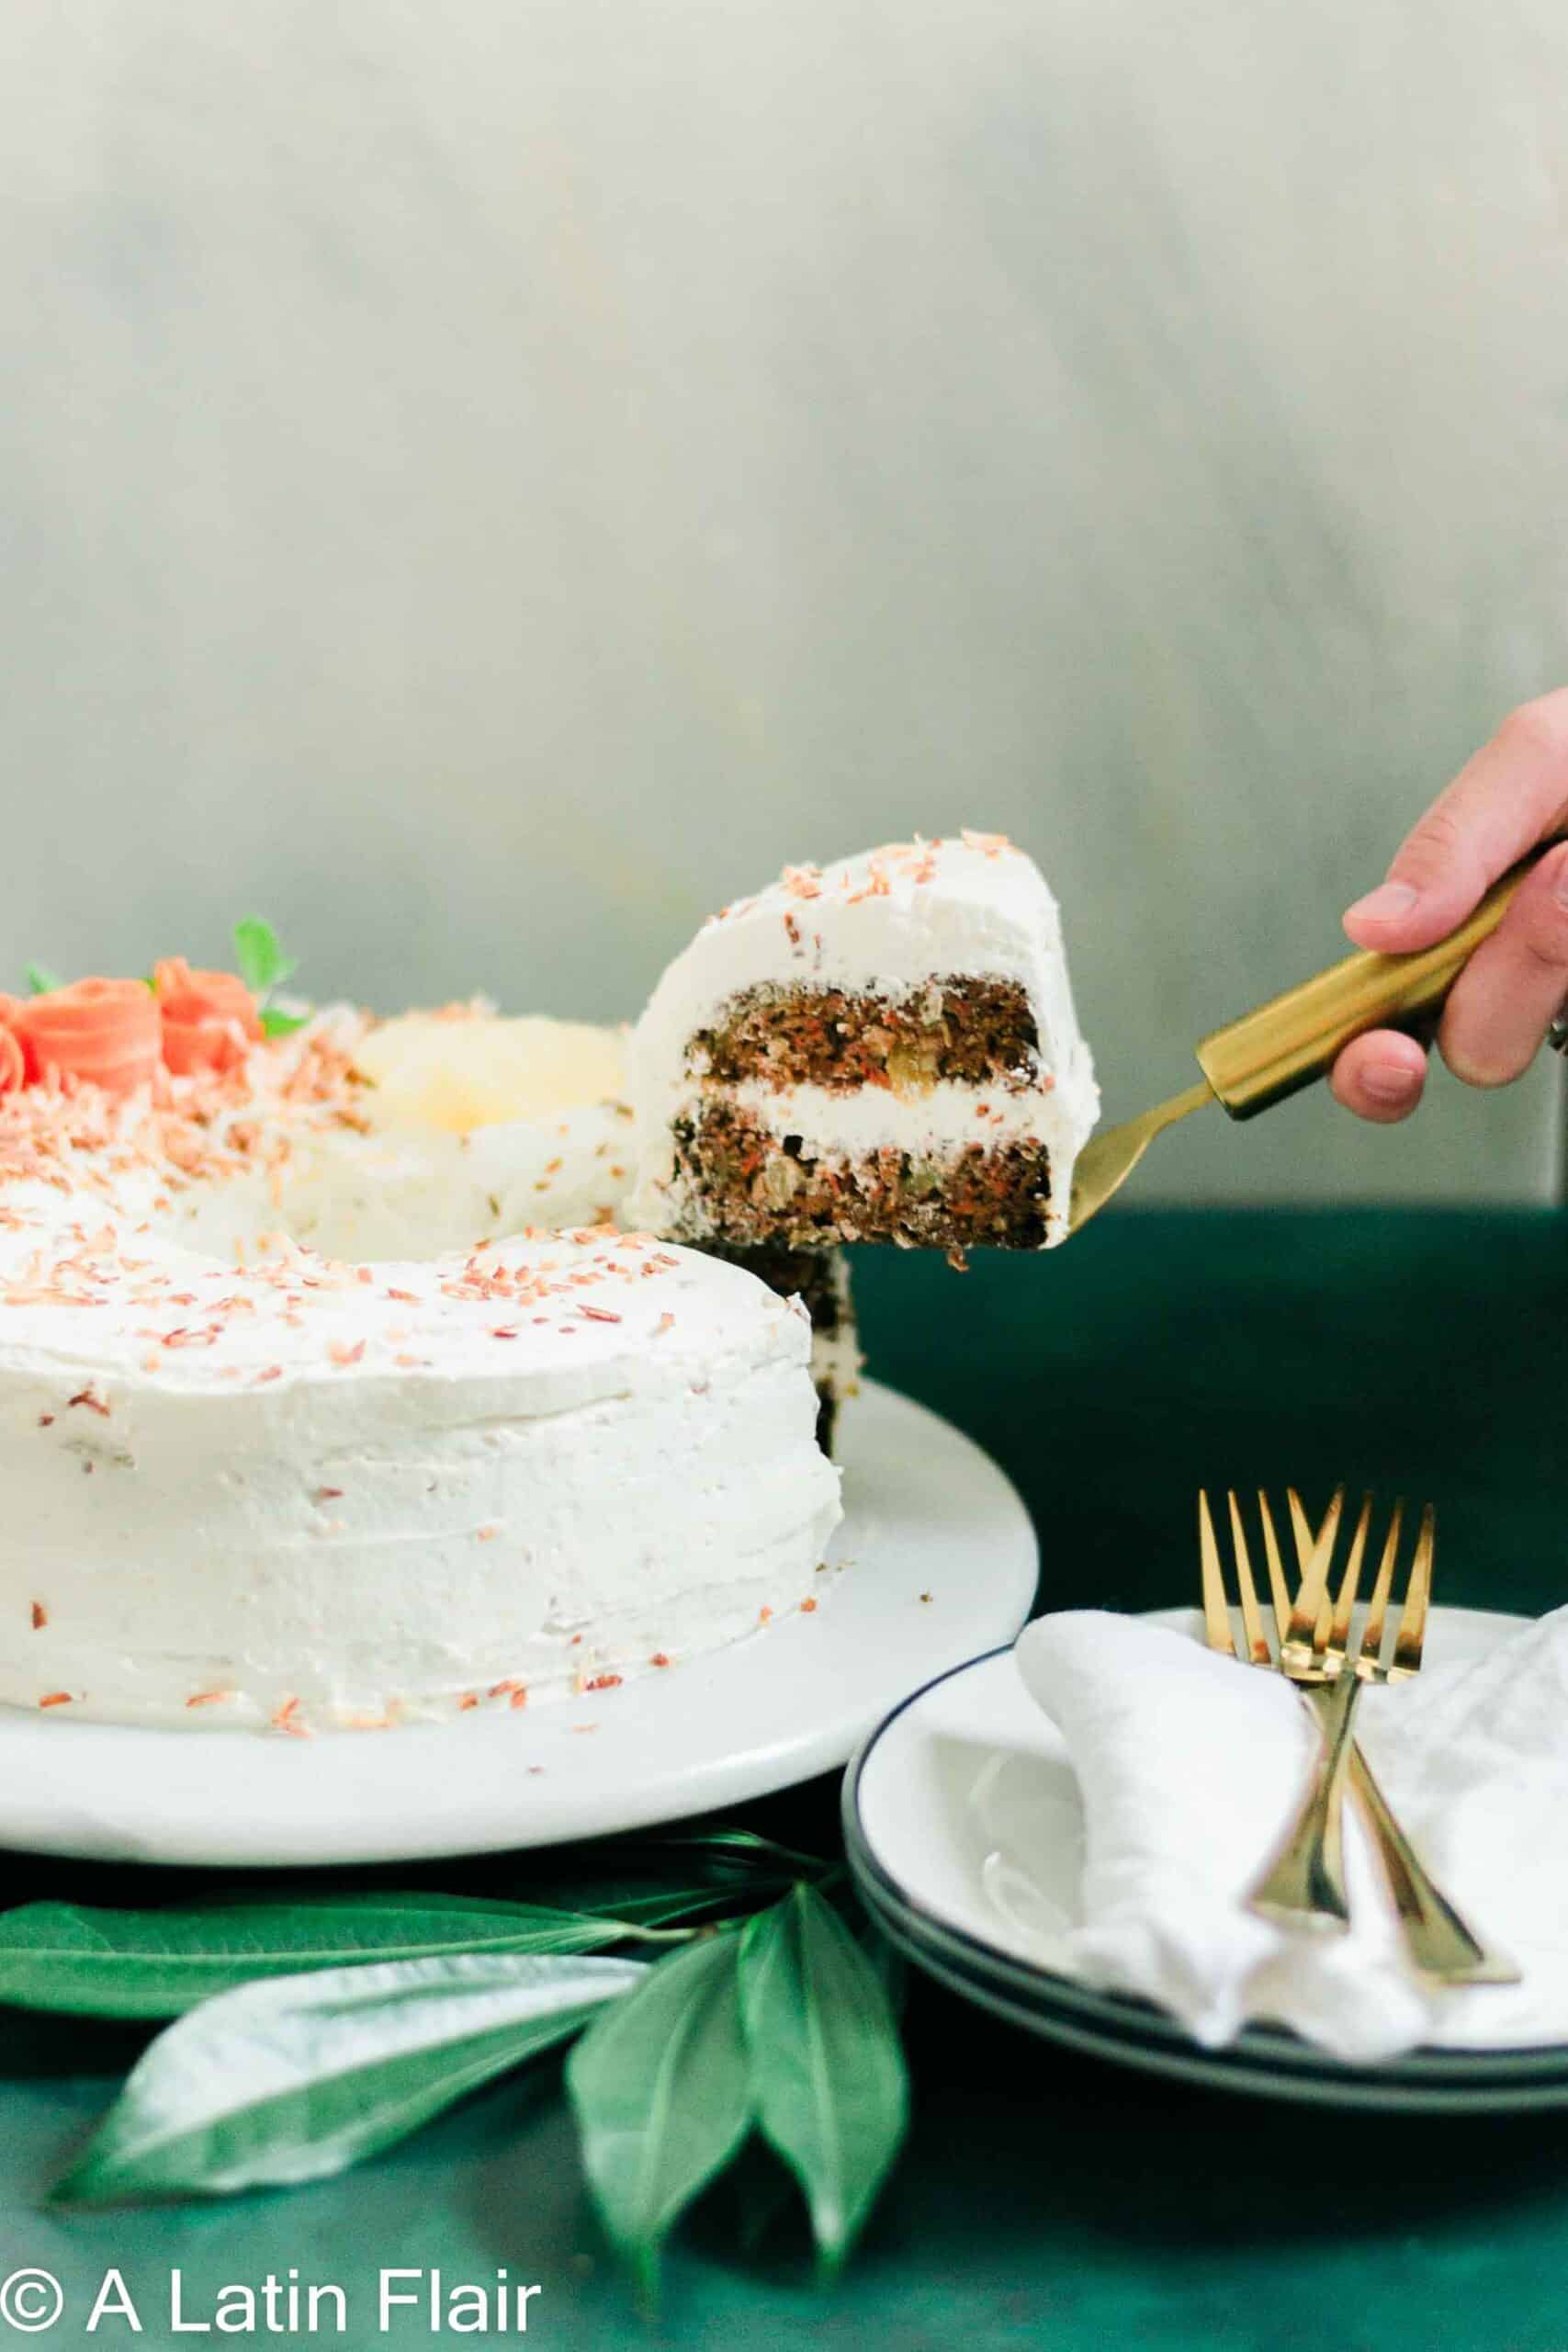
(1295, 1038)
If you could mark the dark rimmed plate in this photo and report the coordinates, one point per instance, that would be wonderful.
(927, 1806)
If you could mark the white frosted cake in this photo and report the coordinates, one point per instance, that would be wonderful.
(885, 1049)
(286, 1442)
(353, 1373)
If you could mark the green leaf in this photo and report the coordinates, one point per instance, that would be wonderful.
(744, 1851)
(644, 1909)
(156, 1963)
(294, 2080)
(660, 2085)
(41, 979)
(827, 2071)
(277, 1023)
(698, 1872)
(263, 964)
(732, 1862)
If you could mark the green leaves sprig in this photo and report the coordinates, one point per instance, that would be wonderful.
(313, 2031)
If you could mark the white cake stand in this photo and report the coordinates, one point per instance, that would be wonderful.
(935, 1562)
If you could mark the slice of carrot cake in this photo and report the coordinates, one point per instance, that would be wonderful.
(885, 1049)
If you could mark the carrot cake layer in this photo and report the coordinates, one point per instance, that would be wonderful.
(951, 1030)
(882, 1050)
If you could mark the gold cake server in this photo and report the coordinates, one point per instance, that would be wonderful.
(1256, 1061)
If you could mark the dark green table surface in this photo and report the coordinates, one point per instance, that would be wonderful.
(1043, 2199)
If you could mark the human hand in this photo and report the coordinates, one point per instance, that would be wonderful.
(1510, 795)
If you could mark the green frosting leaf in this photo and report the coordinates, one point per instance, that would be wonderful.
(263, 966)
(277, 1023)
(41, 980)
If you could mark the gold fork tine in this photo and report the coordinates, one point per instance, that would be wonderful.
(1305, 1538)
(1276, 1585)
(1216, 1613)
(1345, 1599)
(1252, 1622)
(1372, 1632)
(1301, 1528)
(1412, 1631)
(1302, 1634)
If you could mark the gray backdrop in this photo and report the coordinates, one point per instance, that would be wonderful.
(486, 483)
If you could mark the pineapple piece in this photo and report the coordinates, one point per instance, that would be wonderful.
(455, 1072)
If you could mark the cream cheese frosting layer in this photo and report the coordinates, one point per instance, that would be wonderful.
(883, 924)
(251, 1482)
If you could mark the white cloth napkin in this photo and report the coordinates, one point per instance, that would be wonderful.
(1190, 1766)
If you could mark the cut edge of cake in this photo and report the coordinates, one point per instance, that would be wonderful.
(885, 1049)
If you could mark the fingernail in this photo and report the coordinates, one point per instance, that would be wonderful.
(1386, 903)
(1389, 1082)
(1561, 883)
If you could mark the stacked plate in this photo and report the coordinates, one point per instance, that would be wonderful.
(965, 1831)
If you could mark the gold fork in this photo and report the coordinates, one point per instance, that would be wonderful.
(1319, 1651)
